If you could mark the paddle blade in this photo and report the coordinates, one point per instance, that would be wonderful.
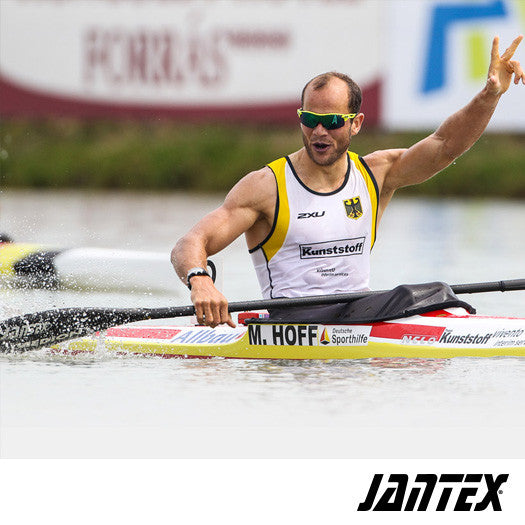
(31, 331)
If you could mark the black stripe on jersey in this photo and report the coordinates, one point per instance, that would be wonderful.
(373, 179)
(269, 275)
(371, 176)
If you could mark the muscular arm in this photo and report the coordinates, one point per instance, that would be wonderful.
(459, 132)
(245, 209)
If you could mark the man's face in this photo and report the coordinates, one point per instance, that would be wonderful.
(325, 146)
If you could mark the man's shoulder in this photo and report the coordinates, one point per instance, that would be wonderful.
(260, 176)
(261, 184)
(253, 188)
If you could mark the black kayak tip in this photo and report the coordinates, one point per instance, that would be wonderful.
(5, 238)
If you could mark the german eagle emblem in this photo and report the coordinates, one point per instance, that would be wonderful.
(353, 207)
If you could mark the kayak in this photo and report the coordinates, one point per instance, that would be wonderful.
(414, 320)
(39, 266)
(439, 334)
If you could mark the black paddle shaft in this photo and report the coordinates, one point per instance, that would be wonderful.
(495, 286)
(35, 330)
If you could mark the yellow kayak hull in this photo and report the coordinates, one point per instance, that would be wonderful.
(415, 337)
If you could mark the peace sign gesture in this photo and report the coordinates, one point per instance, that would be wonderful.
(503, 67)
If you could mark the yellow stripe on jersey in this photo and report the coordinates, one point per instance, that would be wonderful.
(282, 221)
(372, 191)
(11, 253)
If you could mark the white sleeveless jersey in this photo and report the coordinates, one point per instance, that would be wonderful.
(320, 242)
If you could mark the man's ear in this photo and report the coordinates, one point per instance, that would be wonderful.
(357, 123)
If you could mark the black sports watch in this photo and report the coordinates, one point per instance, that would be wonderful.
(193, 272)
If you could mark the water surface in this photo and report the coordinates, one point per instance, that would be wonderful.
(106, 406)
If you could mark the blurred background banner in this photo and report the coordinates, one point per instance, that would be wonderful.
(437, 59)
(415, 61)
(206, 58)
(191, 95)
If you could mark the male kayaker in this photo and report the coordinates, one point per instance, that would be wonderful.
(310, 218)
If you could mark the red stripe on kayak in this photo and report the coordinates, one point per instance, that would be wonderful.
(144, 333)
(441, 313)
(399, 330)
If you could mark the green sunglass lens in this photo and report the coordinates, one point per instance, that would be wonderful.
(309, 120)
(331, 121)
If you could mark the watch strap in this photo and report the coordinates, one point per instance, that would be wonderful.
(194, 272)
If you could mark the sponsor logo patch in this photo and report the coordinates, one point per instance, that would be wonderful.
(449, 337)
(330, 272)
(411, 339)
(308, 215)
(195, 336)
(338, 248)
(345, 335)
(27, 329)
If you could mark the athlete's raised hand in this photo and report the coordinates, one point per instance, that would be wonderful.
(503, 67)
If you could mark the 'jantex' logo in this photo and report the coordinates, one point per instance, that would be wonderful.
(422, 490)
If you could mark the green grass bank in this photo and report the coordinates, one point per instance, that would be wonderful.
(160, 155)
